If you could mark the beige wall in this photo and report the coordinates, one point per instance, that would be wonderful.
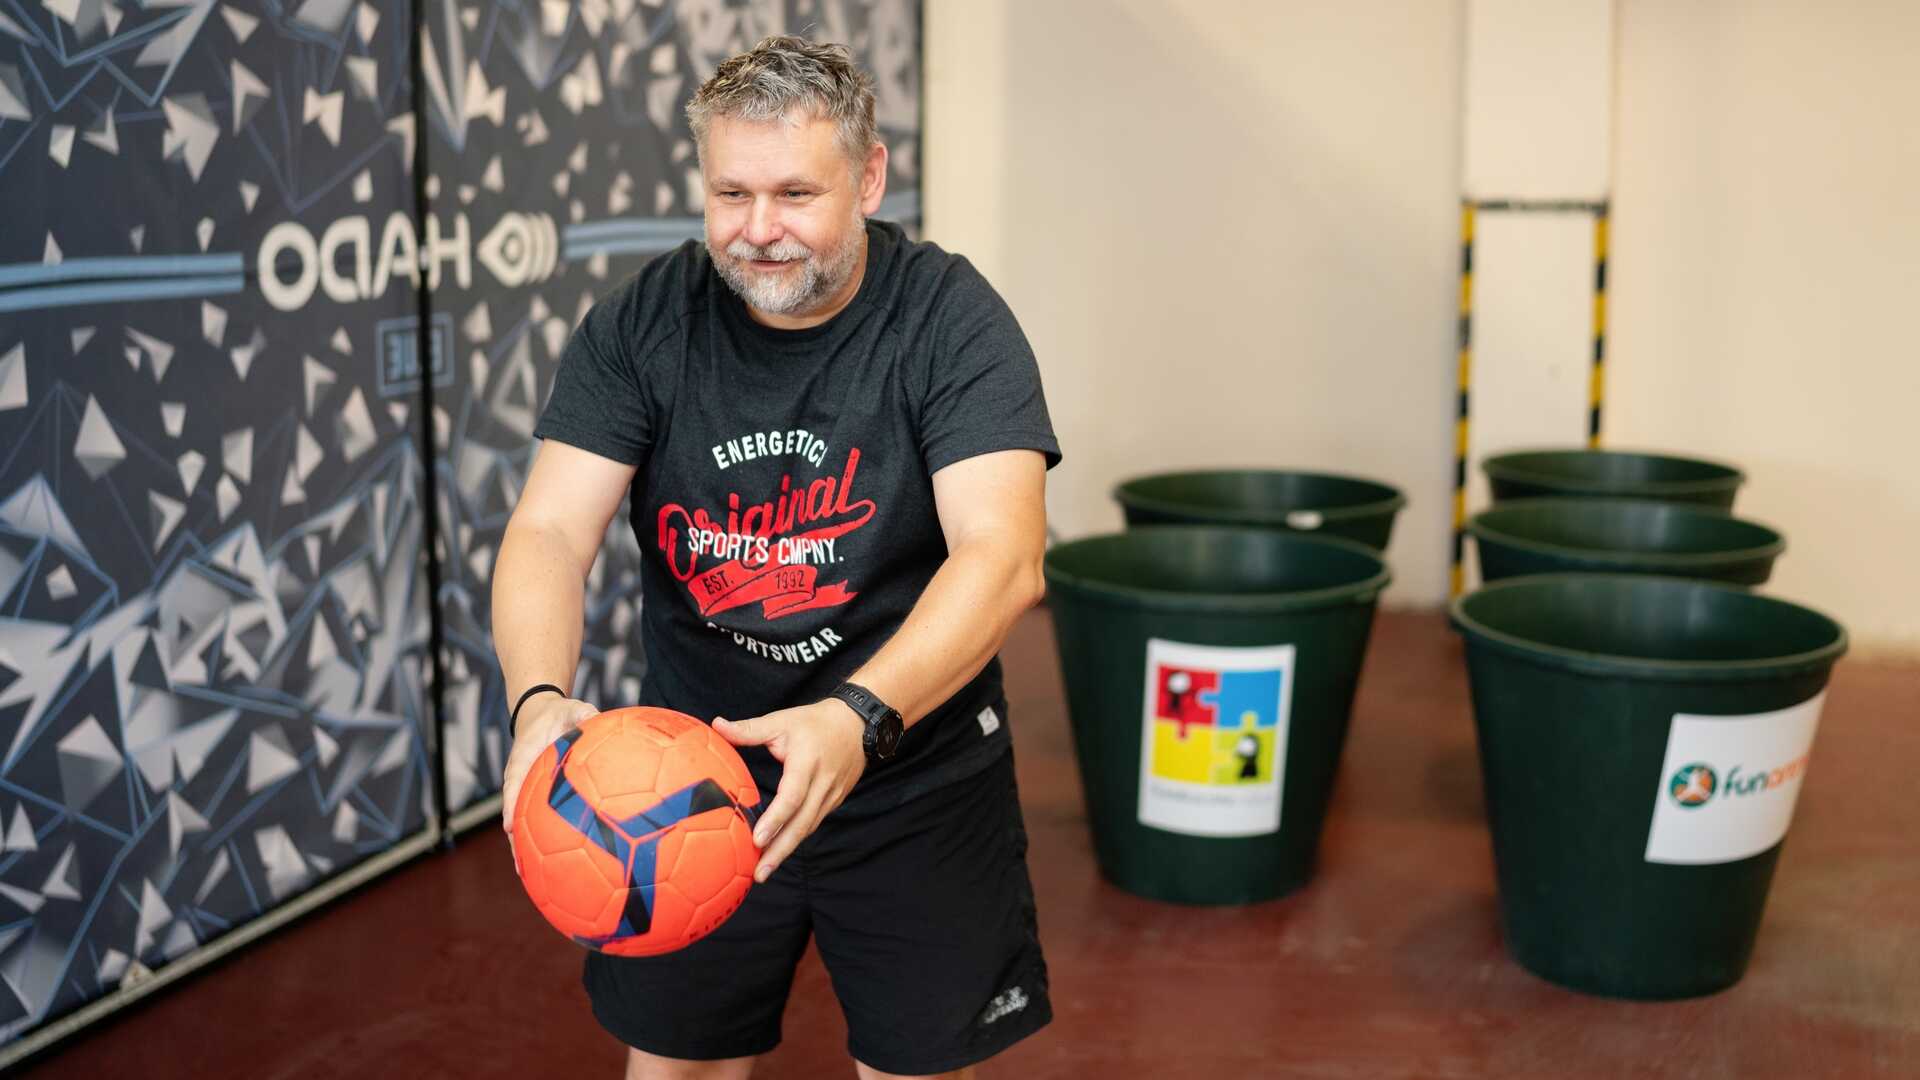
(1229, 229)
(1766, 291)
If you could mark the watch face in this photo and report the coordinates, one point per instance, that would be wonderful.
(887, 738)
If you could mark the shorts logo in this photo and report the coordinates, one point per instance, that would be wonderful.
(1005, 1004)
(1693, 785)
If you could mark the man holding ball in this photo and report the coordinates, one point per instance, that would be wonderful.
(835, 444)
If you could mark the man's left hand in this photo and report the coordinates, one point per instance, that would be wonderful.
(820, 747)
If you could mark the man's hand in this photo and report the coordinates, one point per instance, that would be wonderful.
(543, 719)
(820, 747)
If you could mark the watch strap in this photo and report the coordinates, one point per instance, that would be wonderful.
(873, 712)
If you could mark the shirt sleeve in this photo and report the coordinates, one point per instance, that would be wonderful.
(983, 386)
(598, 402)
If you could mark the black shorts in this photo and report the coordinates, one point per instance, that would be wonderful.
(923, 914)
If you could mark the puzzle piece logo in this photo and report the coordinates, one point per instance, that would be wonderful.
(1215, 727)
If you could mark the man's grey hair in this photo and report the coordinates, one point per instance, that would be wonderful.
(784, 73)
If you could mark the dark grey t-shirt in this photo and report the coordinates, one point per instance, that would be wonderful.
(784, 498)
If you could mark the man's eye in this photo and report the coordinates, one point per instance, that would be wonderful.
(733, 195)
(796, 193)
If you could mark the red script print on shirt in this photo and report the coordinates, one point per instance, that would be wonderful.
(765, 554)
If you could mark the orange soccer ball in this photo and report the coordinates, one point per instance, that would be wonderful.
(635, 832)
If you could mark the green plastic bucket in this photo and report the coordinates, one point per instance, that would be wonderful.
(1615, 474)
(1622, 536)
(1642, 741)
(1210, 671)
(1324, 504)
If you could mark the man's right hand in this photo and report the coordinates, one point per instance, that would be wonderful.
(543, 719)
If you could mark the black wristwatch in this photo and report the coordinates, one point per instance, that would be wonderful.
(884, 724)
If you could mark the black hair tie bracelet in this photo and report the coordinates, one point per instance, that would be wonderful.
(513, 718)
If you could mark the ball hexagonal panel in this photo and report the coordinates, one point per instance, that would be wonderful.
(705, 865)
(619, 765)
(577, 890)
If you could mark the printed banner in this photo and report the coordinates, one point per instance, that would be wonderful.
(1729, 783)
(1213, 747)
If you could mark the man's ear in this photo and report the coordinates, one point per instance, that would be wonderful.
(873, 179)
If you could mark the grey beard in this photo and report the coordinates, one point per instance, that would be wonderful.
(798, 294)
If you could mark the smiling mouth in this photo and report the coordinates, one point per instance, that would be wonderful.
(770, 265)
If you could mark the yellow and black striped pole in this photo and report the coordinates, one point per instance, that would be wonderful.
(1597, 383)
(1462, 403)
(1596, 393)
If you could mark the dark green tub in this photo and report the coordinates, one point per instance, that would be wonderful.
(1528, 474)
(1642, 741)
(1626, 536)
(1209, 673)
(1319, 503)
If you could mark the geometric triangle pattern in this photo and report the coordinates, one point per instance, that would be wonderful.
(214, 615)
(191, 702)
(509, 339)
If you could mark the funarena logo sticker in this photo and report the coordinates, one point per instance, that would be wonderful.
(1727, 784)
(1696, 785)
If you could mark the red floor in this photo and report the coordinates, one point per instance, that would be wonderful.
(1388, 965)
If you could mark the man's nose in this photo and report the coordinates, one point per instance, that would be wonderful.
(763, 223)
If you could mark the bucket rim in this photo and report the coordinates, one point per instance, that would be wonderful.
(1393, 502)
(1365, 591)
(1614, 665)
(1478, 527)
(1500, 467)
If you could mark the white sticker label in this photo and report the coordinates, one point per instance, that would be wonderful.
(989, 721)
(1213, 743)
(1729, 783)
